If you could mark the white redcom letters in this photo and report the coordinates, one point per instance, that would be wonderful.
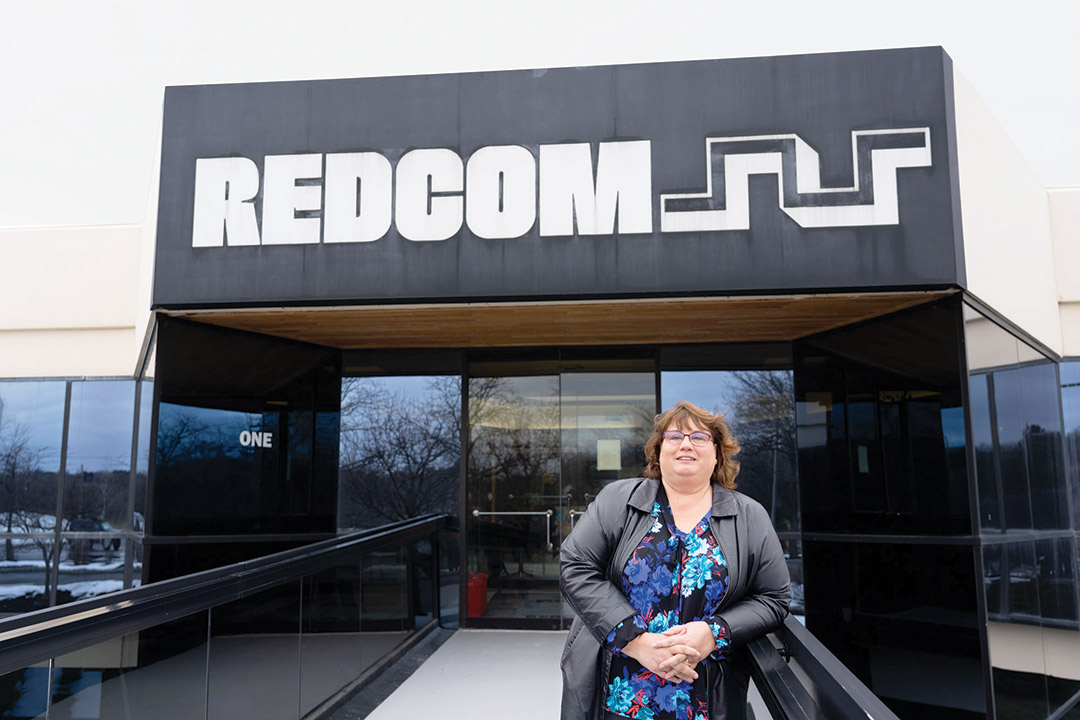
(346, 197)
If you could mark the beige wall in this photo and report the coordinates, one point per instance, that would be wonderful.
(68, 299)
(1008, 253)
(1065, 229)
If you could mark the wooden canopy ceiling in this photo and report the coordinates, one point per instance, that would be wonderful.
(591, 322)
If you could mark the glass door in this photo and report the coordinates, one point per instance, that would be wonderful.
(544, 438)
(513, 499)
(606, 418)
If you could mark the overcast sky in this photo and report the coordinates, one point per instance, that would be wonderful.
(81, 83)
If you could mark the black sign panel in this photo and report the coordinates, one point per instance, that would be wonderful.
(760, 175)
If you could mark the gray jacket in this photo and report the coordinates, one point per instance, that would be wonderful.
(593, 558)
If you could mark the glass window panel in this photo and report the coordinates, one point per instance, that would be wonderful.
(400, 449)
(994, 583)
(868, 467)
(1070, 401)
(1022, 573)
(605, 419)
(31, 431)
(1042, 439)
(903, 618)
(1063, 689)
(982, 435)
(1008, 404)
(157, 673)
(168, 560)
(25, 581)
(99, 456)
(91, 563)
(142, 460)
(1015, 635)
(882, 442)
(514, 461)
(205, 476)
(1055, 559)
(820, 429)
(449, 578)
(952, 435)
(385, 619)
(759, 405)
(238, 450)
(24, 694)
(793, 553)
(1061, 621)
(422, 590)
(254, 663)
(137, 566)
(331, 651)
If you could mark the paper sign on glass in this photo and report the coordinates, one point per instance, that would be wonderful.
(609, 455)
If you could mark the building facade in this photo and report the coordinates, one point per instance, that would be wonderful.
(367, 300)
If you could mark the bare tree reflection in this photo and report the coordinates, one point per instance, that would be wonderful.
(399, 454)
(514, 444)
(27, 494)
(24, 500)
(764, 423)
(180, 436)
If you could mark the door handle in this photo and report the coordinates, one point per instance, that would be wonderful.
(574, 514)
(545, 513)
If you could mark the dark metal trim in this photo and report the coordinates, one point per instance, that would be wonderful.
(133, 468)
(151, 466)
(974, 494)
(949, 88)
(813, 684)
(149, 338)
(892, 539)
(61, 488)
(784, 695)
(995, 454)
(1067, 706)
(465, 429)
(38, 636)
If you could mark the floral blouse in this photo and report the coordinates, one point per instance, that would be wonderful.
(672, 578)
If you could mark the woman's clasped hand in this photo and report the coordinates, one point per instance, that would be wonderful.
(675, 653)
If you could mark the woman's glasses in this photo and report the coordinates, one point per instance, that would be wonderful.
(675, 437)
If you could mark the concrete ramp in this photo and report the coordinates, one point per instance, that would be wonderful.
(483, 674)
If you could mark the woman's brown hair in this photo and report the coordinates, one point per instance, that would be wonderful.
(681, 416)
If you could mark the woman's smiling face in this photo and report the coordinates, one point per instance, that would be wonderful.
(683, 465)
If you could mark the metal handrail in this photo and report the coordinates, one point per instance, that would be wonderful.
(36, 636)
(799, 679)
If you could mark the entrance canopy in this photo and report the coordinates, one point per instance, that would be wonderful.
(606, 322)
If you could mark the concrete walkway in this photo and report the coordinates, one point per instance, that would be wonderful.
(482, 674)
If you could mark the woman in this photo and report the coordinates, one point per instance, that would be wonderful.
(668, 575)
